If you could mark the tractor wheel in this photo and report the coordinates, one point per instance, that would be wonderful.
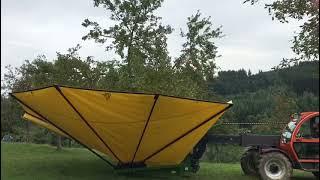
(275, 166)
(316, 174)
(249, 162)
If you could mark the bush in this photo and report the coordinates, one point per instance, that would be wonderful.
(223, 153)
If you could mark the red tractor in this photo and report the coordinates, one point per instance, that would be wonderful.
(274, 157)
(298, 148)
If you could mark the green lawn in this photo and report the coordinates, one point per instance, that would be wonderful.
(43, 162)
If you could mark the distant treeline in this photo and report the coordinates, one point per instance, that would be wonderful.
(300, 79)
(267, 96)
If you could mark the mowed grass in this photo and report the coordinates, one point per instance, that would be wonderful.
(43, 162)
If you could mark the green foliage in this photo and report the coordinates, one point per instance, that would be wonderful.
(235, 82)
(67, 69)
(266, 97)
(223, 153)
(10, 117)
(299, 78)
(199, 51)
(306, 42)
(308, 102)
(137, 36)
(303, 77)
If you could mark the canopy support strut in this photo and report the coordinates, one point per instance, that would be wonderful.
(156, 97)
(186, 133)
(86, 122)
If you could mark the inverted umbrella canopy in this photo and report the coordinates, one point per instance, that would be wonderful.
(130, 128)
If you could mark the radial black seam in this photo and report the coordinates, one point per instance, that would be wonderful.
(62, 130)
(86, 122)
(186, 133)
(156, 97)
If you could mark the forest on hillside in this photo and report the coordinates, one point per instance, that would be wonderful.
(142, 64)
(267, 97)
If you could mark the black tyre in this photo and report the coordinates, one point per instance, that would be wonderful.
(249, 162)
(316, 174)
(275, 166)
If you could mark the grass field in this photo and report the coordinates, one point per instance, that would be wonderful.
(43, 162)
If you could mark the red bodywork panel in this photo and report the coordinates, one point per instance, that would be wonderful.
(289, 148)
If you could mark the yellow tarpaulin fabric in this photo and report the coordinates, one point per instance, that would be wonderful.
(128, 127)
(42, 123)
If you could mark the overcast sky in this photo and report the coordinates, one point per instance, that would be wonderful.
(252, 40)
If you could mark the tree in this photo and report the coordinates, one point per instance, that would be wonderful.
(199, 51)
(10, 118)
(141, 41)
(68, 69)
(306, 42)
(137, 36)
(308, 102)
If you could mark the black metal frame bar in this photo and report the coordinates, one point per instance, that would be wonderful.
(108, 162)
(245, 140)
(156, 97)
(86, 122)
(186, 133)
(127, 92)
(224, 139)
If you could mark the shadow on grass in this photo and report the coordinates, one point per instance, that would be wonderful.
(157, 174)
(95, 169)
(302, 178)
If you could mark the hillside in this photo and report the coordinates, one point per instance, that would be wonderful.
(267, 96)
(300, 78)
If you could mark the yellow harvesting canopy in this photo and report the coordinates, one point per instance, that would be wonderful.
(127, 127)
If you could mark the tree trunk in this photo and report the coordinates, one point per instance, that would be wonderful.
(59, 147)
(130, 59)
(28, 132)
